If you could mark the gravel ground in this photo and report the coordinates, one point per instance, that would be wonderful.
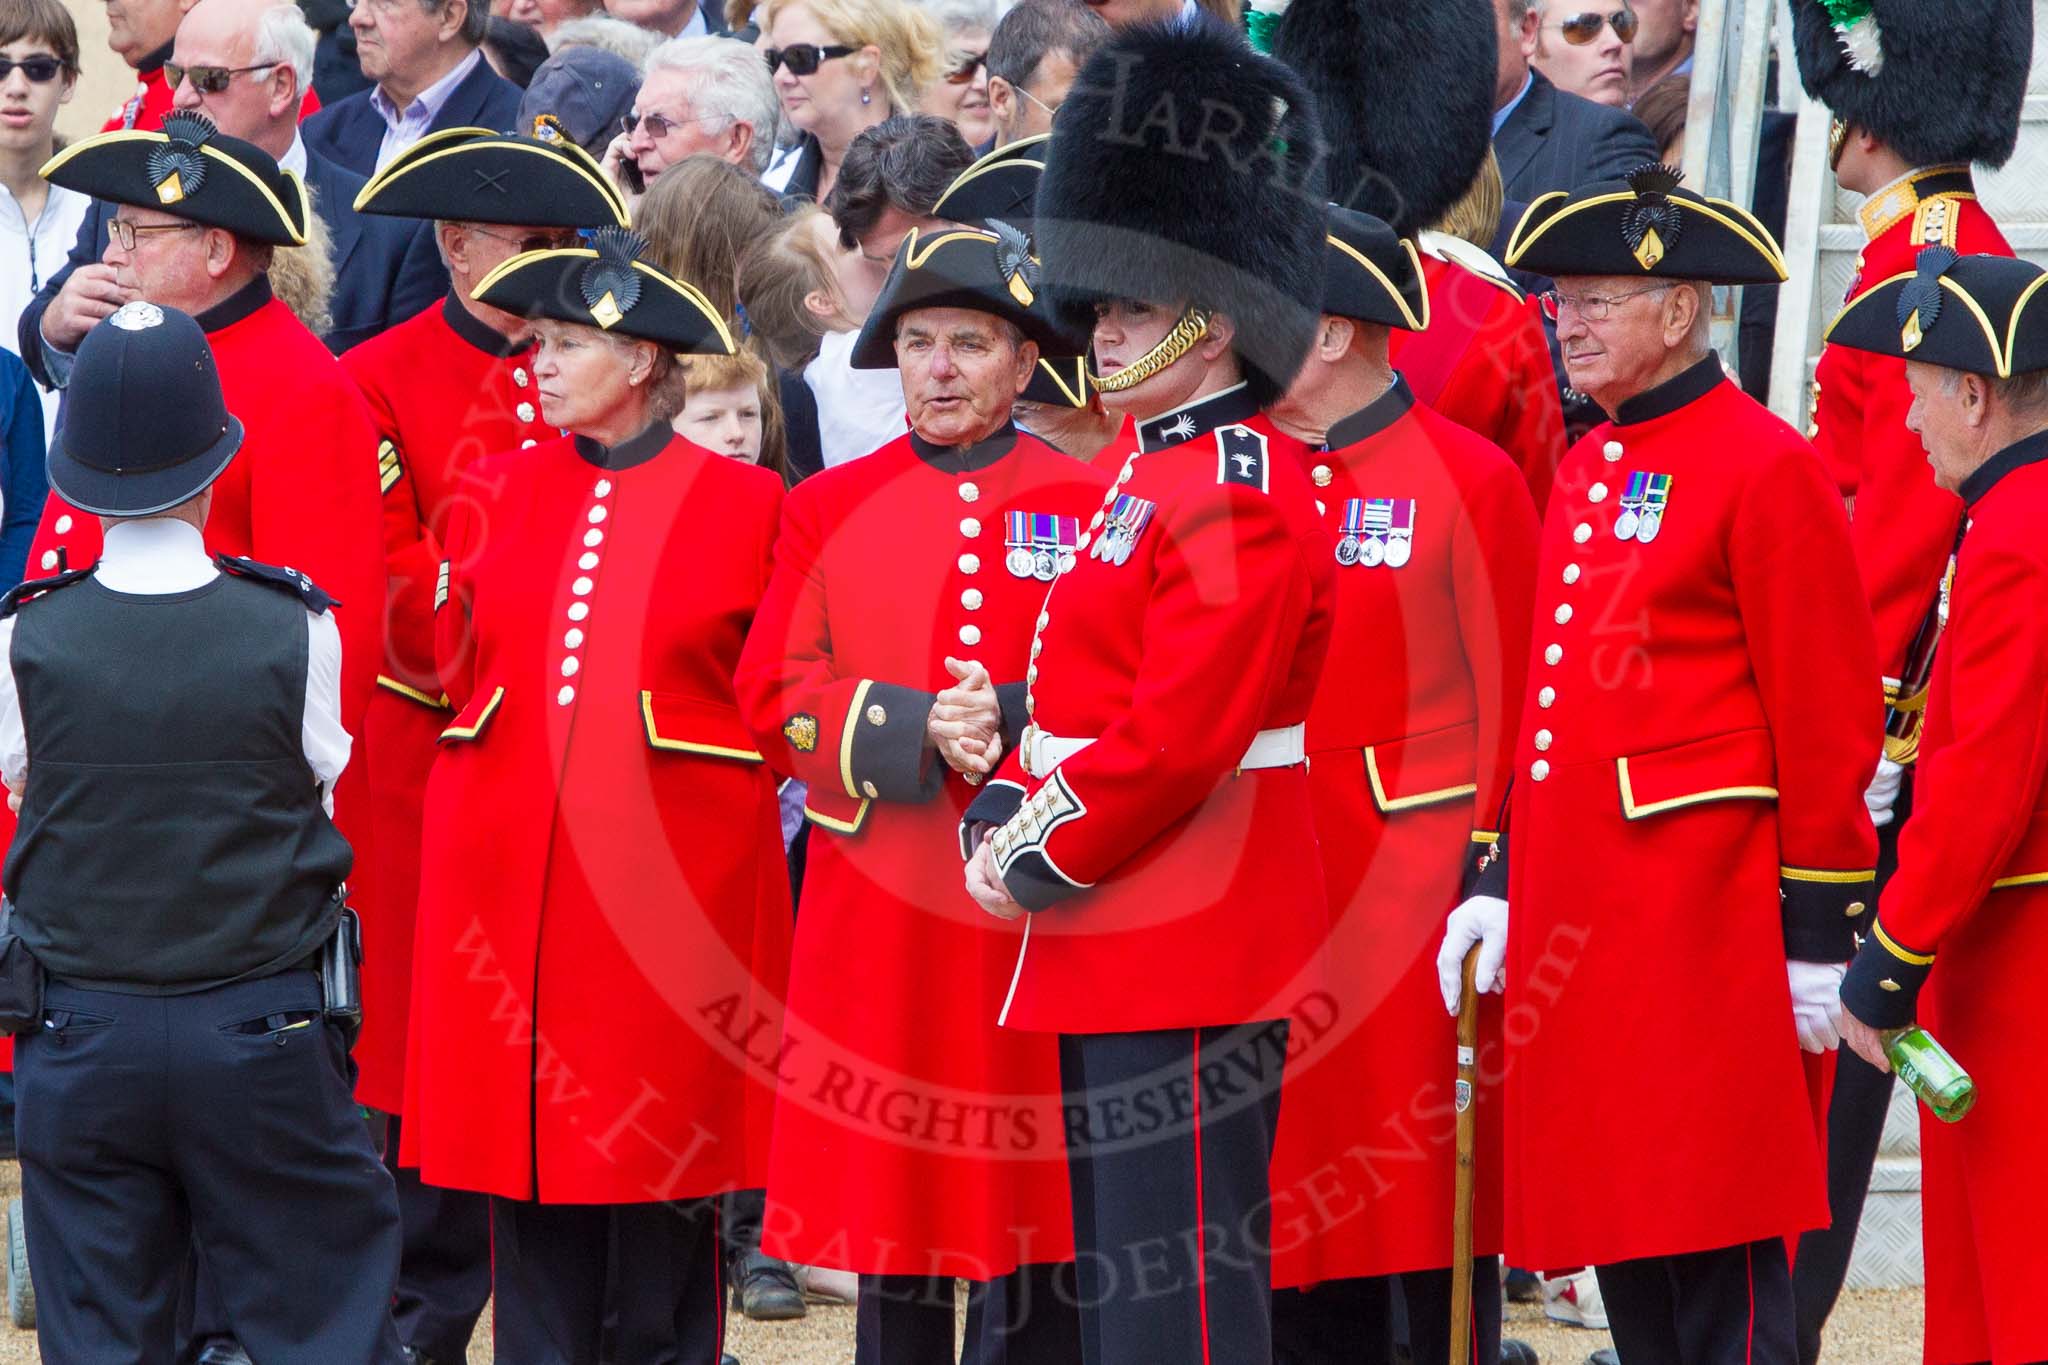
(1871, 1327)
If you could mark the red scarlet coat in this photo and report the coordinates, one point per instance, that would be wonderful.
(1902, 525)
(445, 390)
(1410, 742)
(1485, 364)
(604, 911)
(1964, 914)
(1170, 889)
(912, 1135)
(1687, 813)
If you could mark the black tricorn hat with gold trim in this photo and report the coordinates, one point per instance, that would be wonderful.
(989, 272)
(1003, 184)
(1645, 225)
(608, 286)
(1059, 382)
(193, 170)
(1982, 314)
(473, 175)
(1371, 274)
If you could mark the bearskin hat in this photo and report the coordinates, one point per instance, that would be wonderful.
(1405, 94)
(1934, 83)
(1185, 168)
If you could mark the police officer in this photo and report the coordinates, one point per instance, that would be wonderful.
(177, 874)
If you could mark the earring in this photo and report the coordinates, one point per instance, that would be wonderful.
(866, 97)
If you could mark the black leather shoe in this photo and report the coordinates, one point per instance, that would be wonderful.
(1513, 1352)
(1522, 1286)
(767, 1289)
(224, 1351)
(1604, 1356)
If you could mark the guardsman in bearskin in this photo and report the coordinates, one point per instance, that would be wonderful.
(451, 384)
(1156, 823)
(1686, 840)
(1917, 97)
(886, 670)
(1410, 742)
(1956, 944)
(1405, 92)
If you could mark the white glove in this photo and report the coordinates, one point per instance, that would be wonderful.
(1817, 1003)
(1482, 920)
(1883, 792)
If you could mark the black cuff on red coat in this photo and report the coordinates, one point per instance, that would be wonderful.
(1820, 912)
(1010, 698)
(1882, 985)
(892, 758)
(1486, 868)
(991, 808)
(1034, 884)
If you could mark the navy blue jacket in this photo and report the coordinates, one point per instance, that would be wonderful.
(24, 479)
(1559, 141)
(385, 269)
(350, 131)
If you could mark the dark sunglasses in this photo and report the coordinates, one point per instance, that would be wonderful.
(41, 70)
(804, 59)
(1580, 29)
(660, 126)
(207, 80)
(964, 72)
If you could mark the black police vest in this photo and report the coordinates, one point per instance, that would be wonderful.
(172, 836)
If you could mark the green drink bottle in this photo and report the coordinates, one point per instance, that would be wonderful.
(1930, 1072)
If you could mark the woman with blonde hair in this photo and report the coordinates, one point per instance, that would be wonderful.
(840, 67)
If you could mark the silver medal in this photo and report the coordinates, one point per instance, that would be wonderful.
(1018, 562)
(1625, 525)
(1347, 551)
(1398, 551)
(1372, 553)
(1043, 566)
(1653, 522)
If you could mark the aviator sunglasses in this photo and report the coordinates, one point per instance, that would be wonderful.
(1580, 29)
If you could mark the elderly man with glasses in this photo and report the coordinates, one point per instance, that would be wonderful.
(1686, 841)
(698, 97)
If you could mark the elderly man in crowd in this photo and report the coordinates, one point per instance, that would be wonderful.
(426, 57)
(1033, 56)
(698, 96)
(140, 33)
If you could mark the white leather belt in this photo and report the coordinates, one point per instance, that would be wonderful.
(1283, 748)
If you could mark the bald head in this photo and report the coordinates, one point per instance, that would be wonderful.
(260, 106)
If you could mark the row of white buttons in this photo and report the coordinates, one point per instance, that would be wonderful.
(50, 558)
(579, 610)
(970, 563)
(1553, 654)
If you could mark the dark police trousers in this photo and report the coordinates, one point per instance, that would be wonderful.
(221, 1120)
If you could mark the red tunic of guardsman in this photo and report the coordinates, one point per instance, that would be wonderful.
(1687, 839)
(1410, 741)
(447, 386)
(928, 549)
(1959, 945)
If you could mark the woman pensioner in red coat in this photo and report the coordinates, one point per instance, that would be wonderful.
(604, 916)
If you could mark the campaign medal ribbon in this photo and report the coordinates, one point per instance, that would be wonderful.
(1655, 501)
(1379, 520)
(1631, 506)
(1128, 518)
(1041, 545)
(1400, 531)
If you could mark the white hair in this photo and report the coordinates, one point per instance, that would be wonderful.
(284, 38)
(726, 77)
(963, 16)
(606, 34)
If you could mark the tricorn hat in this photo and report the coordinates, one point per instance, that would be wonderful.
(1003, 185)
(191, 169)
(1372, 275)
(477, 176)
(1405, 94)
(989, 272)
(1982, 314)
(1936, 83)
(1185, 168)
(609, 286)
(146, 427)
(1645, 225)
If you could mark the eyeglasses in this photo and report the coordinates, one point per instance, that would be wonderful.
(207, 80)
(1050, 109)
(532, 241)
(963, 73)
(660, 126)
(1580, 29)
(126, 232)
(803, 59)
(1591, 307)
(42, 70)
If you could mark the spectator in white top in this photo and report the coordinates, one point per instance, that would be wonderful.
(698, 97)
(960, 95)
(38, 221)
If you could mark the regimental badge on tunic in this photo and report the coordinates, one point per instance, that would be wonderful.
(1041, 545)
(1377, 531)
(1128, 518)
(801, 731)
(1643, 505)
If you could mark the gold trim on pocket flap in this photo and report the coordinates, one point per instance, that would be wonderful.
(1734, 753)
(439, 703)
(1453, 744)
(656, 739)
(476, 727)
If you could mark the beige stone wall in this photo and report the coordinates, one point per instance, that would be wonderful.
(105, 80)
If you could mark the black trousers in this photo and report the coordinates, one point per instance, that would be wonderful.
(1856, 1112)
(220, 1124)
(1028, 1317)
(1351, 1322)
(444, 1264)
(1732, 1306)
(578, 1284)
(1169, 1134)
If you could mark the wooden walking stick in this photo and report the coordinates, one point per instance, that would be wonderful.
(1461, 1210)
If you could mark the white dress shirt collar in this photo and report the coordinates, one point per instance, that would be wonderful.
(294, 158)
(154, 555)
